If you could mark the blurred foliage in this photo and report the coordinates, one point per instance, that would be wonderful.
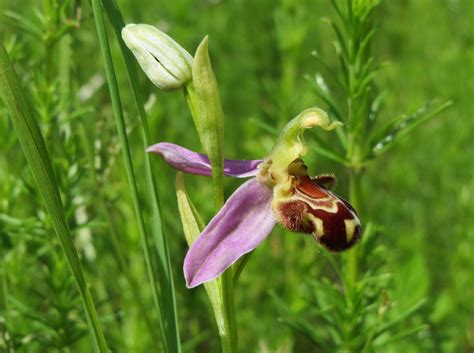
(421, 192)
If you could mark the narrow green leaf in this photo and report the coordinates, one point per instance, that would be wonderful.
(240, 265)
(23, 24)
(413, 309)
(168, 295)
(325, 97)
(264, 126)
(29, 134)
(192, 227)
(330, 72)
(340, 38)
(324, 149)
(205, 104)
(399, 336)
(338, 10)
(360, 57)
(386, 136)
(375, 108)
(170, 344)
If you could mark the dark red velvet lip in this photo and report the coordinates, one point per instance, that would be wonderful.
(314, 207)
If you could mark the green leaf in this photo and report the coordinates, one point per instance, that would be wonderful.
(205, 104)
(399, 336)
(192, 227)
(240, 265)
(385, 137)
(262, 125)
(32, 142)
(327, 151)
(168, 296)
(170, 340)
(402, 317)
(21, 23)
(360, 56)
(325, 97)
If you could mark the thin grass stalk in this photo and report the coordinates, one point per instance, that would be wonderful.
(34, 148)
(126, 153)
(167, 284)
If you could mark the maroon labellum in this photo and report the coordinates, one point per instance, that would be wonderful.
(312, 208)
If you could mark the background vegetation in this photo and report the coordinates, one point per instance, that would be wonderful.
(420, 193)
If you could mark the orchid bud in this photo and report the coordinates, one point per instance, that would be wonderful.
(165, 62)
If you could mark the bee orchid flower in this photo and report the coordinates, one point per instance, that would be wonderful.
(279, 191)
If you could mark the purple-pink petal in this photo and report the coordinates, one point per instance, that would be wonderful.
(196, 163)
(244, 222)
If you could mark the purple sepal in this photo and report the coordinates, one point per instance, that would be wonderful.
(244, 222)
(196, 163)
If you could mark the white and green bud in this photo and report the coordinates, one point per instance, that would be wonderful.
(164, 61)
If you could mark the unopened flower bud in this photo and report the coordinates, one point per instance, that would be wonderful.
(165, 62)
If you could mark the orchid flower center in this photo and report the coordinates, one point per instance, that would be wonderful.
(301, 203)
(284, 162)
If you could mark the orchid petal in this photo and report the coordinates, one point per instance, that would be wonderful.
(196, 163)
(244, 222)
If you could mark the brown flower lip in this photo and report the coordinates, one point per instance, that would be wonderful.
(313, 209)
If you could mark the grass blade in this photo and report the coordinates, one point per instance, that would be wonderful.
(166, 284)
(34, 148)
(127, 157)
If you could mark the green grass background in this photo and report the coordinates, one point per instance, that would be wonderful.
(421, 192)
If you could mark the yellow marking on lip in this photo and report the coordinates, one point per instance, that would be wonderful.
(350, 225)
(318, 225)
(316, 203)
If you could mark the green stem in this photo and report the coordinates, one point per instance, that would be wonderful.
(229, 337)
(121, 129)
(354, 199)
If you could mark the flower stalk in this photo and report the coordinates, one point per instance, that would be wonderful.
(202, 96)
